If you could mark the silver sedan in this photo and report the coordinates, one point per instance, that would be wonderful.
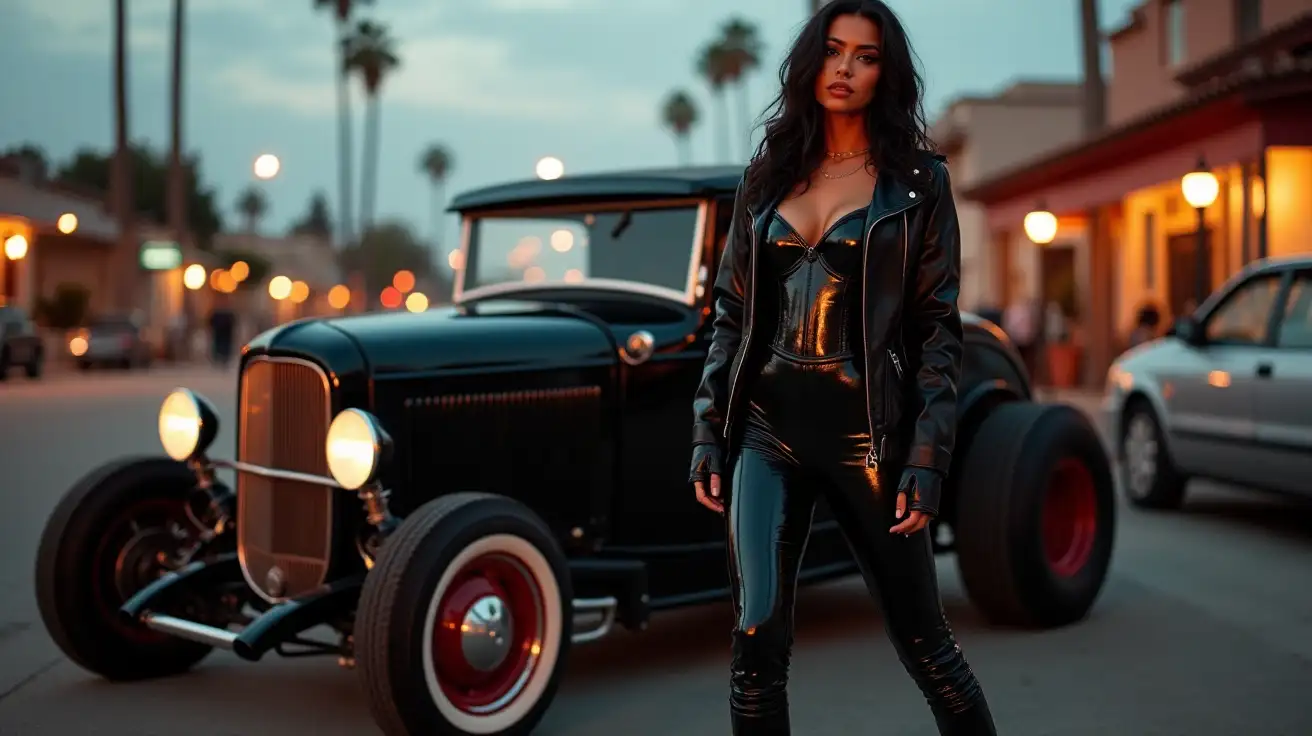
(1226, 395)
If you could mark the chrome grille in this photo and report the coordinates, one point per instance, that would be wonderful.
(284, 528)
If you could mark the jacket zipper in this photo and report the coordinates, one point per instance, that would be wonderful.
(878, 440)
(748, 317)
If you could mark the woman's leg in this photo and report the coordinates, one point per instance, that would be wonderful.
(769, 519)
(899, 571)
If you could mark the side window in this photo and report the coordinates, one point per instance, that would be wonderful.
(1295, 327)
(1243, 317)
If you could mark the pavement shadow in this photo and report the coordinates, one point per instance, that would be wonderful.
(1286, 516)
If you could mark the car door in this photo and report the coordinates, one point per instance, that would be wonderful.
(1210, 392)
(1283, 389)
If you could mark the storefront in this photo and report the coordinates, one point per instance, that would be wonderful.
(1106, 226)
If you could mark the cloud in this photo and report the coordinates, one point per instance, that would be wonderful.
(441, 74)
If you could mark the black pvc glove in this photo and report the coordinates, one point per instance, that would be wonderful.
(705, 462)
(924, 489)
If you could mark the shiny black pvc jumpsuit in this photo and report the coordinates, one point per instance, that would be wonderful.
(806, 434)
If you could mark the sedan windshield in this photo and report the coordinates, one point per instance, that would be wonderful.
(640, 249)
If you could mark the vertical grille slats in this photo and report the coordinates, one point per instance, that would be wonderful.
(284, 416)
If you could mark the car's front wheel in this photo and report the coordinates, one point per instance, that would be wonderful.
(113, 533)
(1148, 476)
(465, 620)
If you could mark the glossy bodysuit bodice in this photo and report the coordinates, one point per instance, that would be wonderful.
(819, 287)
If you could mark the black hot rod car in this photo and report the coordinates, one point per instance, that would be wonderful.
(461, 494)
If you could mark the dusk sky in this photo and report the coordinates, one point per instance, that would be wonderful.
(501, 82)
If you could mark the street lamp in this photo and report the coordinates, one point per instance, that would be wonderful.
(280, 287)
(1041, 226)
(1200, 189)
(67, 223)
(267, 166)
(194, 276)
(15, 247)
(550, 167)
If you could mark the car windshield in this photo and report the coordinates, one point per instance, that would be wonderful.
(646, 249)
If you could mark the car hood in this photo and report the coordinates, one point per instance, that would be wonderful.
(504, 335)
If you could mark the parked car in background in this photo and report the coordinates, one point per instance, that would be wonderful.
(20, 343)
(110, 342)
(1226, 394)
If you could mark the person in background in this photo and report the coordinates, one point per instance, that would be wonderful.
(222, 325)
(1145, 325)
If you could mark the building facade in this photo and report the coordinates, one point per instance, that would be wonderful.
(1223, 86)
(985, 135)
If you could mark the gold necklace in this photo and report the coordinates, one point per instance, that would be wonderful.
(827, 175)
(844, 155)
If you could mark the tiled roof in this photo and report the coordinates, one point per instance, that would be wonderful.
(42, 208)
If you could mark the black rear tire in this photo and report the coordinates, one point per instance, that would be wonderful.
(447, 551)
(1032, 468)
(88, 536)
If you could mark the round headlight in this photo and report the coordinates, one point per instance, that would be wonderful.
(187, 424)
(356, 447)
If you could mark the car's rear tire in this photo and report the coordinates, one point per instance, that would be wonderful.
(452, 560)
(1148, 475)
(1036, 515)
(99, 547)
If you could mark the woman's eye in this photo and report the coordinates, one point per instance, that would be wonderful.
(831, 52)
(870, 59)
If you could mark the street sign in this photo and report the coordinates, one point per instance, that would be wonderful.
(160, 255)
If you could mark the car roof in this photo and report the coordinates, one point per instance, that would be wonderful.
(688, 181)
(1280, 263)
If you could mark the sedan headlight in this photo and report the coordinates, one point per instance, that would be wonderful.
(357, 447)
(187, 424)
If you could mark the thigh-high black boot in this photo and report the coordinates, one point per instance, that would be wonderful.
(900, 572)
(769, 519)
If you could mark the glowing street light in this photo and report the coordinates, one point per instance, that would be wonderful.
(1200, 189)
(550, 167)
(267, 166)
(339, 296)
(300, 292)
(194, 276)
(416, 302)
(1041, 226)
(239, 270)
(67, 223)
(280, 287)
(404, 281)
(15, 247)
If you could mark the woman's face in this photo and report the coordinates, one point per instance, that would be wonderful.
(847, 82)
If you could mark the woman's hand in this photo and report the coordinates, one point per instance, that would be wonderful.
(920, 490)
(705, 476)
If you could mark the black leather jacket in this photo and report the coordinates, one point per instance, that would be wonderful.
(909, 312)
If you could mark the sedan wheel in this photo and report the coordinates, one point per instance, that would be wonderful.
(1149, 477)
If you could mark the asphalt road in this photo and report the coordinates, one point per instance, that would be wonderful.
(1205, 626)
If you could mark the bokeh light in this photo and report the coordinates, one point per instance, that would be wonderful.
(239, 270)
(67, 223)
(226, 284)
(573, 276)
(193, 277)
(456, 260)
(15, 247)
(267, 166)
(534, 274)
(215, 276)
(404, 281)
(416, 302)
(562, 241)
(550, 167)
(339, 296)
(390, 298)
(280, 287)
(300, 292)
(78, 346)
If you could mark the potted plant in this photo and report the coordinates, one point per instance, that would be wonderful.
(1062, 349)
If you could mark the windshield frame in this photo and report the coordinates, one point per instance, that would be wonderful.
(688, 297)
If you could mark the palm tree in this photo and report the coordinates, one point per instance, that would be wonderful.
(679, 114)
(177, 187)
(341, 10)
(742, 48)
(1095, 95)
(253, 206)
(714, 66)
(436, 162)
(371, 52)
(123, 195)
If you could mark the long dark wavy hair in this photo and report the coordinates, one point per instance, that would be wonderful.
(794, 142)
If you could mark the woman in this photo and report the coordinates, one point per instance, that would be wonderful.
(834, 361)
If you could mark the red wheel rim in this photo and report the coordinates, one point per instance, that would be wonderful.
(488, 633)
(1070, 518)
